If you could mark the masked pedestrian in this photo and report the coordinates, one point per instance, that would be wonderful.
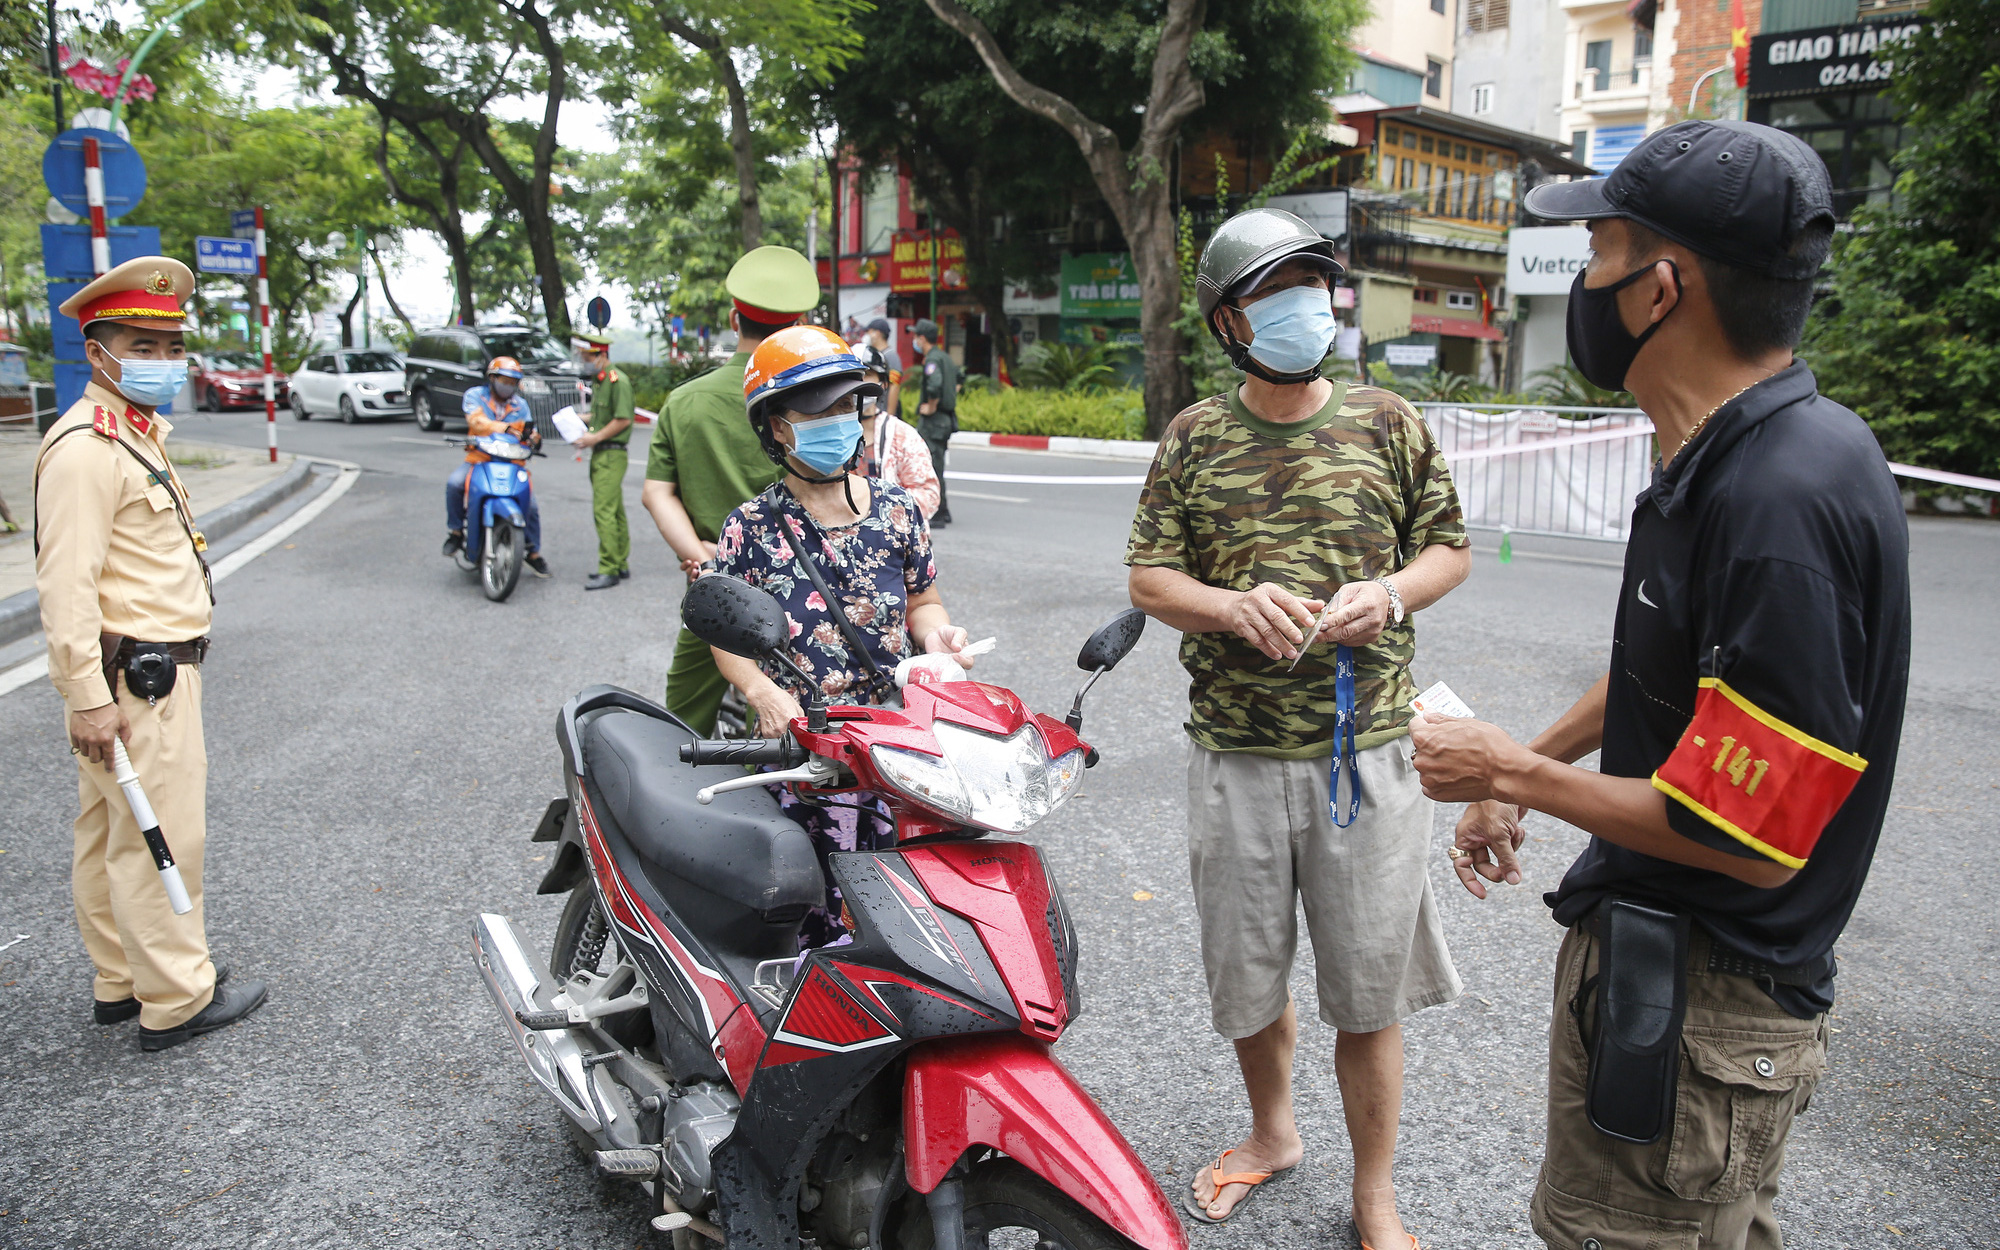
(877, 337)
(937, 406)
(1289, 528)
(125, 594)
(1749, 722)
(606, 438)
(706, 460)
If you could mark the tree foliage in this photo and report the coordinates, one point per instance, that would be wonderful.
(1910, 335)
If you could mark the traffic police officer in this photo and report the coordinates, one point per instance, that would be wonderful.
(609, 429)
(1749, 722)
(120, 572)
(706, 460)
(937, 407)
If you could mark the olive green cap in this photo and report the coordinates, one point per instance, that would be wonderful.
(593, 337)
(1247, 246)
(775, 279)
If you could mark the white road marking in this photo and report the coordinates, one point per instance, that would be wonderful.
(36, 669)
(973, 494)
(1045, 479)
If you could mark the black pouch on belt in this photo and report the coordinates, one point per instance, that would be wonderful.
(150, 672)
(1635, 1057)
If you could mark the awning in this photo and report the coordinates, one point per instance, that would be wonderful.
(1454, 327)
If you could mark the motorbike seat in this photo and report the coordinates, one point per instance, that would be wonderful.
(741, 847)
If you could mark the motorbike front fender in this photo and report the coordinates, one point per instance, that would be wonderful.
(498, 506)
(1007, 1091)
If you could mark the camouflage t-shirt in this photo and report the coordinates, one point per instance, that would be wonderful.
(1351, 493)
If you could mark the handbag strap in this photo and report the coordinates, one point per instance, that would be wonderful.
(810, 567)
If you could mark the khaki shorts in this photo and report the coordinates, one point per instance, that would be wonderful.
(1747, 1069)
(1260, 840)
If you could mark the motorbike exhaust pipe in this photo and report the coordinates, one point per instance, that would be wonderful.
(522, 987)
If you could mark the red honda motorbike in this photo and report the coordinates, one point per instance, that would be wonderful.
(894, 1090)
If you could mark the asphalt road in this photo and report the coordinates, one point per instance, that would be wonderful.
(381, 743)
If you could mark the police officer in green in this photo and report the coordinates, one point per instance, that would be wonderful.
(609, 431)
(706, 460)
(937, 409)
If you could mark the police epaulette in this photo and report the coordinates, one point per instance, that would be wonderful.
(105, 422)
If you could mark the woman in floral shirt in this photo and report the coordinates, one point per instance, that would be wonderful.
(869, 543)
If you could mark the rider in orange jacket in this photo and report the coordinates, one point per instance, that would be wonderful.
(496, 408)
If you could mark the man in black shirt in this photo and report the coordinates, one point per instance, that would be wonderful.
(1749, 721)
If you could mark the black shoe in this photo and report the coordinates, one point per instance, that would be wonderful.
(229, 1006)
(125, 1008)
(624, 575)
(600, 581)
(454, 542)
(538, 566)
(941, 520)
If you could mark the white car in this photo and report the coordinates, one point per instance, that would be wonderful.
(352, 383)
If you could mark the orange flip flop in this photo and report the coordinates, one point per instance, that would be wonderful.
(1199, 1209)
(1414, 1243)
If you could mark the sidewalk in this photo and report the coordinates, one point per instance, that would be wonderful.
(214, 476)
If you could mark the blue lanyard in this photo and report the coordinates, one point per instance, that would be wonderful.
(1343, 741)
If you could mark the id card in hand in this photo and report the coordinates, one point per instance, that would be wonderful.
(1439, 700)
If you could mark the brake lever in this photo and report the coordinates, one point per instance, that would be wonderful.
(816, 771)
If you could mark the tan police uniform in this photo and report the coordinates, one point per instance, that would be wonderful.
(116, 560)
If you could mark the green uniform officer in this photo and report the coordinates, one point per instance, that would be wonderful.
(706, 459)
(937, 407)
(609, 432)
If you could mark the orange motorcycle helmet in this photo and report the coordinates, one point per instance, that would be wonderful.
(803, 369)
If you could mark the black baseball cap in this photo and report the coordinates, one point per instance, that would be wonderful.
(1734, 191)
(880, 325)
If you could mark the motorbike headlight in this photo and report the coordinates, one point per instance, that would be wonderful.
(1003, 784)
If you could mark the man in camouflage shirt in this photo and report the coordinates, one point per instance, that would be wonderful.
(1260, 506)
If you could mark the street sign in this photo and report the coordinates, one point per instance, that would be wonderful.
(1544, 260)
(124, 172)
(243, 223)
(599, 312)
(1410, 355)
(217, 255)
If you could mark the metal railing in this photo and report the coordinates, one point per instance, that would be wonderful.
(1548, 470)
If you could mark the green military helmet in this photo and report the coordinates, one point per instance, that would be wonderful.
(774, 280)
(1248, 246)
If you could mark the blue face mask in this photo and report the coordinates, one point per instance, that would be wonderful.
(1293, 329)
(151, 382)
(826, 444)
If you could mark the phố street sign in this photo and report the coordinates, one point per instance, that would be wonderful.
(218, 255)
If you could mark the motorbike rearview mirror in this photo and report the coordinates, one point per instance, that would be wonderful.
(731, 615)
(1112, 642)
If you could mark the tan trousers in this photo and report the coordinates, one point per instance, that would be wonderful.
(139, 946)
(1747, 1070)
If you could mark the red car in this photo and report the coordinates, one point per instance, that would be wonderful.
(224, 380)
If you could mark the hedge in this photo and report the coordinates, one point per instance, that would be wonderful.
(1119, 414)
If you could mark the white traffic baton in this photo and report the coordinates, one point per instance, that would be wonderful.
(149, 828)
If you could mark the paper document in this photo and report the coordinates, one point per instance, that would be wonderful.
(569, 426)
(1439, 700)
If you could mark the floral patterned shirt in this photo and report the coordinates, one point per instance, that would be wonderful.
(872, 566)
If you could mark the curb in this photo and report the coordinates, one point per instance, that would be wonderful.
(21, 614)
(1122, 449)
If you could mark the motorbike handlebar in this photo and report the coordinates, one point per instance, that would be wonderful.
(782, 751)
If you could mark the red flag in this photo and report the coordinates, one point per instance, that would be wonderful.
(1739, 42)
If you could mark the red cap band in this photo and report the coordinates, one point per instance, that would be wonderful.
(764, 316)
(115, 304)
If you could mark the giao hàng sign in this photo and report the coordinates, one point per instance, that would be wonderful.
(1830, 58)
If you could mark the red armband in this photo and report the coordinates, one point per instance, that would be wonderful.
(1768, 785)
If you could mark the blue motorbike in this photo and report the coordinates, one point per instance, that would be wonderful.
(496, 513)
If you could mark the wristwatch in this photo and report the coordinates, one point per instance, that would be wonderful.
(1395, 600)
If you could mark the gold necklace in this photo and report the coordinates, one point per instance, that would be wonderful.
(1704, 420)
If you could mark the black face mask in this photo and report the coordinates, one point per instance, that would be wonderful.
(1598, 341)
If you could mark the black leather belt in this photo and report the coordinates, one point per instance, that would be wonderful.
(119, 649)
(1729, 962)
(608, 446)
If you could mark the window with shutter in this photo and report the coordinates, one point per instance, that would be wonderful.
(1485, 15)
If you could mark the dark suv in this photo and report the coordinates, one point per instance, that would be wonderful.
(442, 365)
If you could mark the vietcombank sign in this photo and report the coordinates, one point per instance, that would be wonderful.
(1544, 260)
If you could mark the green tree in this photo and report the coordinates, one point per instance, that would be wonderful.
(443, 64)
(1910, 335)
(1137, 76)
